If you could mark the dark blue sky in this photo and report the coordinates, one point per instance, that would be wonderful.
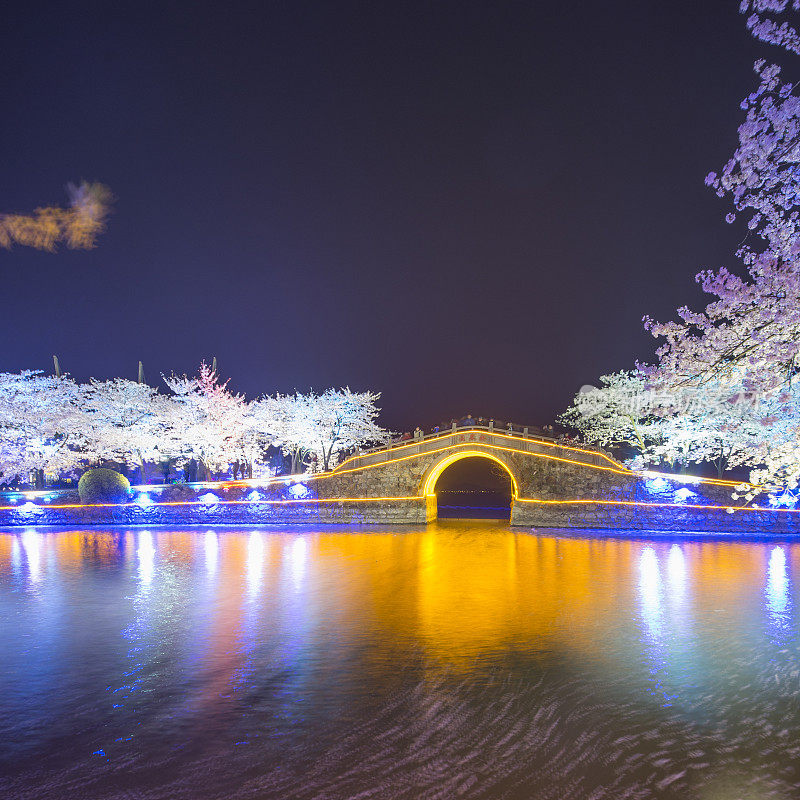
(467, 206)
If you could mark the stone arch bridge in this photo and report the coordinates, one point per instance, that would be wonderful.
(398, 483)
(554, 485)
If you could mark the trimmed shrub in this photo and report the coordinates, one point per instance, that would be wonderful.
(103, 486)
(176, 493)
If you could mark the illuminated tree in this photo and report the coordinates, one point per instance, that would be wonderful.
(77, 226)
(208, 420)
(42, 428)
(339, 419)
(53, 424)
(746, 342)
(312, 428)
(127, 421)
(616, 414)
(289, 417)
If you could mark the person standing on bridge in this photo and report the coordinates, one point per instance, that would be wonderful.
(418, 434)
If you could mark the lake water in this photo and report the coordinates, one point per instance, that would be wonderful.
(460, 660)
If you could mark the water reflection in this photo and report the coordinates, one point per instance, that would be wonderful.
(676, 569)
(650, 591)
(256, 638)
(146, 554)
(297, 560)
(31, 544)
(212, 551)
(255, 562)
(777, 589)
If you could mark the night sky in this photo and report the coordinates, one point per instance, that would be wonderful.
(465, 206)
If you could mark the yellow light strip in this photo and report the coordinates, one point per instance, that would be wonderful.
(657, 505)
(615, 469)
(407, 497)
(337, 472)
(218, 503)
(255, 482)
(616, 464)
(284, 479)
(430, 482)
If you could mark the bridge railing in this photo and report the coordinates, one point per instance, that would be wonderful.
(526, 434)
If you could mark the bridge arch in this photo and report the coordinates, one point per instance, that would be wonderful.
(435, 470)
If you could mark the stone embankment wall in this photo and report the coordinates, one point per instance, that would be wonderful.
(628, 502)
(282, 502)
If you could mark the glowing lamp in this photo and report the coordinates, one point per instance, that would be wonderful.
(144, 500)
(209, 499)
(684, 495)
(785, 500)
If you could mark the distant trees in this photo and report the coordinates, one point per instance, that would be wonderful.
(615, 414)
(668, 425)
(126, 422)
(57, 426)
(338, 420)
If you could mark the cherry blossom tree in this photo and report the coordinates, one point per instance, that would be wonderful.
(673, 425)
(747, 340)
(703, 424)
(290, 416)
(615, 414)
(259, 430)
(312, 427)
(340, 419)
(42, 429)
(209, 420)
(129, 422)
(53, 424)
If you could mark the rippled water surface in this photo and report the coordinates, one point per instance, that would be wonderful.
(461, 660)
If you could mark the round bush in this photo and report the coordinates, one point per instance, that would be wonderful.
(103, 486)
(177, 493)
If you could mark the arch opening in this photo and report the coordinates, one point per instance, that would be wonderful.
(468, 485)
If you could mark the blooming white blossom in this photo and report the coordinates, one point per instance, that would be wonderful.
(747, 340)
(41, 425)
(210, 419)
(55, 425)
